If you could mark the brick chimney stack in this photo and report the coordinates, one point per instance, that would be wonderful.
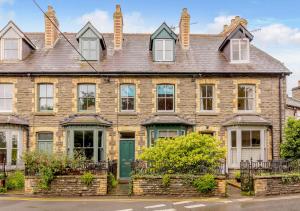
(184, 29)
(51, 33)
(118, 28)
(296, 92)
(234, 23)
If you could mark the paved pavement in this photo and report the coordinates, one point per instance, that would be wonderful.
(286, 203)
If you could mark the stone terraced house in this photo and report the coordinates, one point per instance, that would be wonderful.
(123, 91)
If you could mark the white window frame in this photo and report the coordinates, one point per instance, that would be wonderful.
(164, 50)
(8, 134)
(174, 91)
(213, 97)
(18, 49)
(127, 97)
(254, 98)
(240, 52)
(12, 98)
(239, 129)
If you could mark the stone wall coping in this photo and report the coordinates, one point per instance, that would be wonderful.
(68, 176)
(172, 176)
(270, 176)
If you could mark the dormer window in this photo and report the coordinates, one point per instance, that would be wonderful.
(89, 49)
(91, 43)
(239, 50)
(11, 49)
(162, 44)
(164, 50)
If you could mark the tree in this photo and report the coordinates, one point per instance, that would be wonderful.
(185, 154)
(290, 148)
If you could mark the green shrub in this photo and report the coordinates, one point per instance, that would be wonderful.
(205, 184)
(3, 189)
(289, 149)
(48, 165)
(87, 178)
(2, 176)
(111, 181)
(15, 181)
(237, 176)
(166, 179)
(185, 154)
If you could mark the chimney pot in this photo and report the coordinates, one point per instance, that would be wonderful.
(51, 33)
(118, 28)
(184, 29)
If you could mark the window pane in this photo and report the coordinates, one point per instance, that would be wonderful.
(43, 104)
(241, 91)
(241, 104)
(100, 139)
(90, 103)
(209, 91)
(14, 156)
(82, 90)
(255, 138)
(131, 90)
(249, 104)
(45, 136)
(14, 140)
(244, 50)
(10, 49)
(246, 138)
(169, 56)
(235, 50)
(49, 104)
(43, 90)
(203, 104)
(169, 45)
(49, 90)
(161, 105)
(161, 90)
(130, 103)
(88, 138)
(249, 91)
(169, 90)
(169, 104)
(159, 55)
(6, 90)
(203, 91)
(2, 140)
(6, 104)
(124, 104)
(158, 44)
(100, 154)
(162, 134)
(85, 44)
(209, 105)
(89, 153)
(124, 90)
(233, 138)
(93, 45)
(78, 138)
(91, 90)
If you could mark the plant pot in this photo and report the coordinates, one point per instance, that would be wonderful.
(238, 180)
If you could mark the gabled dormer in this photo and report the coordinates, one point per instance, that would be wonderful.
(14, 44)
(236, 45)
(162, 44)
(91, 43)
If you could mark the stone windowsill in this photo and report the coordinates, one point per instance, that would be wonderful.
(165, 113)
(44, 114)
(127, 113)
(208, 113)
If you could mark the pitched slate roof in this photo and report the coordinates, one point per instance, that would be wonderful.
(135, 58)
(247, 120)
(292, 102)
(166, 119)
(85, 119)
(13, 120)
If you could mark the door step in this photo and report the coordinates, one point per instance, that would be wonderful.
(122, 189)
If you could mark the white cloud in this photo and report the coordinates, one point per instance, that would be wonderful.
(217, 25)
(102, 20)
(6, 2)
(99, 18)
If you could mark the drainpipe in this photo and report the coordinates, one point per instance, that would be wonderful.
(280, 108)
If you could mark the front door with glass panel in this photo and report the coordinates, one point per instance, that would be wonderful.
(245, 144)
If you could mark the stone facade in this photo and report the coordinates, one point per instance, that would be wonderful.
(107, 105)
(273, 185)
(179, 186)
(68, 186)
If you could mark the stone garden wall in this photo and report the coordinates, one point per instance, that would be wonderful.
(275, 185)
(179, 186)
(70, 185)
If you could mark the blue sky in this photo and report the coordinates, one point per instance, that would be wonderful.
(278, 20)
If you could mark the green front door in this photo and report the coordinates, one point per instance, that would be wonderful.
(126, 157)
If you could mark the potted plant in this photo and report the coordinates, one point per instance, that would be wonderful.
(237, 176)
